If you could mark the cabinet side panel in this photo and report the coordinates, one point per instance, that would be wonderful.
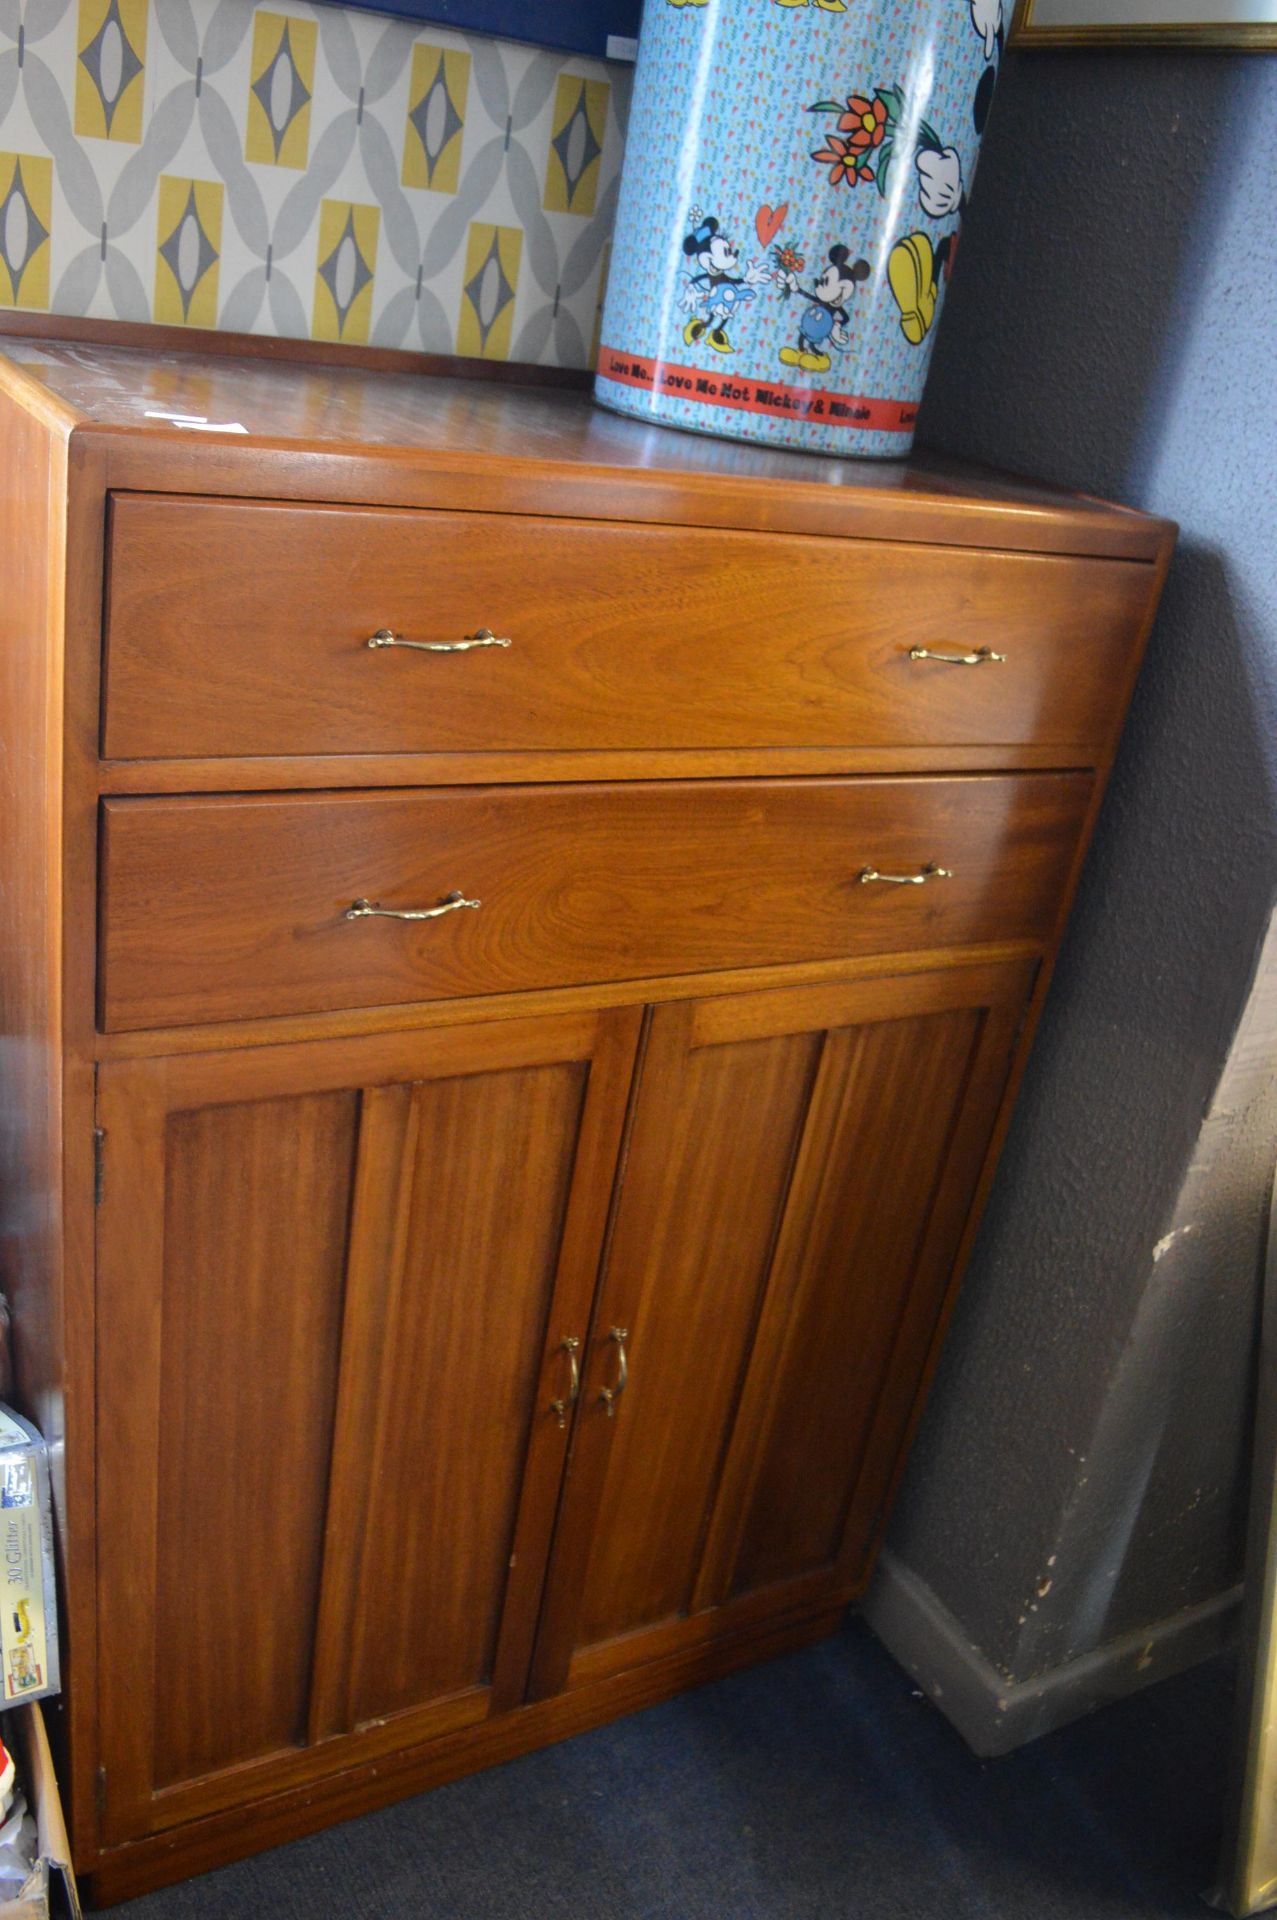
(257, 1200)
(494, 1159)
(32, 543)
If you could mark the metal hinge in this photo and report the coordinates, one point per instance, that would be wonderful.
(99, 1164)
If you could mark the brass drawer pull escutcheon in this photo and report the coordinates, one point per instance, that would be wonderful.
(610, 1395)
(366, 910)
(976, 659)
(484, 638)
(930, 872)
(570, 1345)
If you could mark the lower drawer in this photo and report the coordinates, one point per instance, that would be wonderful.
(220, 908)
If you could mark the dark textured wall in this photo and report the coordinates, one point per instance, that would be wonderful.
(1111, 325)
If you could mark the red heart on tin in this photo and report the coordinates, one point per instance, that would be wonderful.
(768, 222)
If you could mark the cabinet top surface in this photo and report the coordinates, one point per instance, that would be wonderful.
(165, 398)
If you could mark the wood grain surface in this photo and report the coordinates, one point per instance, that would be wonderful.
(220, 1262)
(799, 1170)
(348, 435)
(487, 1183)
(255, 1200)
(241, 629)
(369, 1280)
(236, 907)
(371, 1781)
(32, 528)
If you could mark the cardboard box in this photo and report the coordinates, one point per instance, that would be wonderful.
(50, 1892)
(28, 1605)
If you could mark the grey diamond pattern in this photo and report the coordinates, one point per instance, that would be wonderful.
(195, 116)
(345, 272)
(188, 252)
(20, 230)
(436, 120)
(575, 145)
(282, 91)
(110, 62)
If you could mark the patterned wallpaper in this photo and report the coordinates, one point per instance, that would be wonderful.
(308, 172)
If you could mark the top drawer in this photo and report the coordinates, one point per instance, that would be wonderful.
(242, 627)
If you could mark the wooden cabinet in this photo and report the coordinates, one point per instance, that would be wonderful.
(503, 1112)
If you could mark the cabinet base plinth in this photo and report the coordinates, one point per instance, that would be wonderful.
(143, 1865)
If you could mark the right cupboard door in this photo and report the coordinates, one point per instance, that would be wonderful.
(801, 1166)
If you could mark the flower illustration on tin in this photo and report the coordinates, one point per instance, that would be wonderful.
(786, 259)
(843, 162)
(862, 150)
(865, 120)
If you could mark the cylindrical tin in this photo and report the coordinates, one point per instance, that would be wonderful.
(795, 177)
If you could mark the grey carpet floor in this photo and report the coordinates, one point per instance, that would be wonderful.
(819, 1786)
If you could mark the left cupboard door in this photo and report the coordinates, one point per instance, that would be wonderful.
(335, 1283)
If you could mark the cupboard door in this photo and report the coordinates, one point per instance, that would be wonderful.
(333, 1280)
(801, 1166)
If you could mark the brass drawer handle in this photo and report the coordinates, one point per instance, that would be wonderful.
(483, 638)
(976, 659)
(451, 903)
(610, 1395)
(930, 872)
(570, 1345)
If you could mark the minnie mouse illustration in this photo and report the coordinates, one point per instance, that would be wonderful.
(716, 292)
(826, 320)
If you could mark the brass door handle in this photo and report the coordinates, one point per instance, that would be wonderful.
(930, 872)
(981, 656)
(570, 1345)
(366, 910)
(483, 638)
(610, 1395)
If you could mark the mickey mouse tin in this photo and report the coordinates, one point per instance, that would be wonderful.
(795, 178)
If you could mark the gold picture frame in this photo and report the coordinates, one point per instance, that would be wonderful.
(1052, 31)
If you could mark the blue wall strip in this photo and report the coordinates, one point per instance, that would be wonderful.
(579, 26)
